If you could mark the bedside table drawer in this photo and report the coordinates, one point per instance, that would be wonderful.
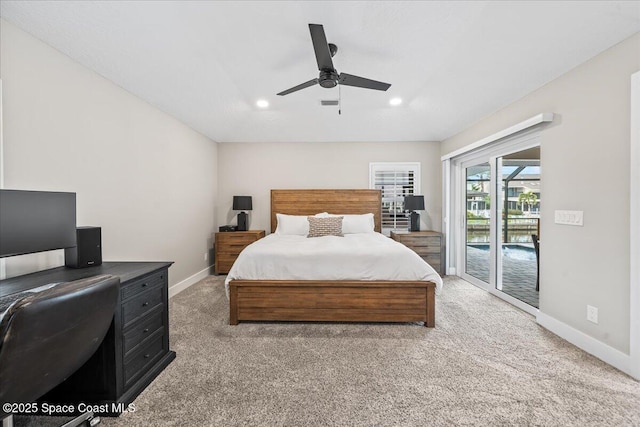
(424, 250)
(420, 241)
(235, 238)
(226, 257)
(233, 248)
(229, 245)
(427, 244)
(224, 267)
(434, 261)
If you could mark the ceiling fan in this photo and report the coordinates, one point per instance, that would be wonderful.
(329, 77)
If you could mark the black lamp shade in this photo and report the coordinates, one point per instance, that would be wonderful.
(242, 203)
(414, 203)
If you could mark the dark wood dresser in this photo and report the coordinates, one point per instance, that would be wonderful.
(230, 244)
(136, 347)
(427, 244)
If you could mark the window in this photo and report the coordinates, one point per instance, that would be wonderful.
(395, 180)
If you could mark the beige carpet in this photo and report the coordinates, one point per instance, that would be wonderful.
(485, 363)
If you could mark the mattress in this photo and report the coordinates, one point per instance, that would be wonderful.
(364, 256)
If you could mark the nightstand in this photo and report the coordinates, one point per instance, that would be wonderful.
(427, 244)
(229, 245)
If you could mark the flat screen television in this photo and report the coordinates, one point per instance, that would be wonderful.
(36, 221)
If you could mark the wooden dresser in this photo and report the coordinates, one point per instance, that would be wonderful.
(427, 244)
(136, 347)
(230, 244)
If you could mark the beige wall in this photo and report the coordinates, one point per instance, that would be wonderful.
(255, 169)
(148, 180)
(585, 166)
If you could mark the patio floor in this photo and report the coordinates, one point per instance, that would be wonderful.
(518, 276)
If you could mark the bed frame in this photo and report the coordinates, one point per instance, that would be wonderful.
(339, 301)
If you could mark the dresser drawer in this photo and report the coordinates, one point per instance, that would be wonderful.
(134, 288)
(141, 304)
(143, 358)
(143, 329)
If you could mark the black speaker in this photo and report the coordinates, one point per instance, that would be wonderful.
(88, 249)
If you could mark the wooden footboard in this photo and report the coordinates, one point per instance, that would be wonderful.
(337, 301)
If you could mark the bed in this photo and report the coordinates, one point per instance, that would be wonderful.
(265, 297)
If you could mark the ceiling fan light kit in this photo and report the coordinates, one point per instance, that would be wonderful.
(329, 76)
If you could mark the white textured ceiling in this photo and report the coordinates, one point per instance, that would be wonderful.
(206, 63)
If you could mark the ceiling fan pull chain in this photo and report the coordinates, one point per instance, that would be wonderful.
(339, 100)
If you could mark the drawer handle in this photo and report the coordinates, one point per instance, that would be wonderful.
(146, 356)
(145, 304)
(144, 285)
(145, 331)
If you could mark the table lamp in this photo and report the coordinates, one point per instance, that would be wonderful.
(413, 204)
(242, 203)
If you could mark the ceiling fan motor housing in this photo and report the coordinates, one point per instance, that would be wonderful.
(328, 79)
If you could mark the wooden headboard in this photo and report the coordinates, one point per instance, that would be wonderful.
(311, 202)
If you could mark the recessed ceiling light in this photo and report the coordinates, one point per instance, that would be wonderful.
(395, 101)
(262, 103)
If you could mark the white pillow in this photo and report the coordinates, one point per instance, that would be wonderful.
(296, 225)
(353, 224)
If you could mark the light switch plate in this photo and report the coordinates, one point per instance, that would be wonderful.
(592, 314)
(569, 217)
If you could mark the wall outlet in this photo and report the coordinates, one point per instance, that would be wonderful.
(569, 217)
(592, 314)
(206, 256)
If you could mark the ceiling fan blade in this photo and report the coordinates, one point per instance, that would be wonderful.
(321, 47)
(351, 80)
(299, 87)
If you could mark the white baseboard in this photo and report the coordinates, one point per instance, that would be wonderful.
(191, 280)
(602, 351)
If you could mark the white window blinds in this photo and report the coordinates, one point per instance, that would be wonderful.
(395, 180)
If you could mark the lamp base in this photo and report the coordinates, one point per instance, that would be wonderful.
(242, 221)
(415, 221)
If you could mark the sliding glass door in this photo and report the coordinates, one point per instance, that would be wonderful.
(519, 192)
(478, 221)
(499, 201)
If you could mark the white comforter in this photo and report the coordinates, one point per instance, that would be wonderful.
(367, 256)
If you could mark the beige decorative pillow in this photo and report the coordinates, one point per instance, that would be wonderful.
(330, 226)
